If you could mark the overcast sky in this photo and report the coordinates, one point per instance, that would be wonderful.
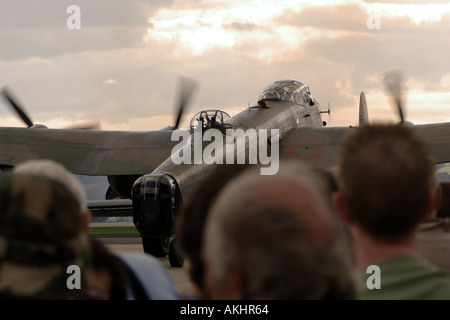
(122, 66)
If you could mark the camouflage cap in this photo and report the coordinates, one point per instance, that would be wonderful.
(55, 171)
(40, 237)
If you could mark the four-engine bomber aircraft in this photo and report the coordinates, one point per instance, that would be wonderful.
(140, 166)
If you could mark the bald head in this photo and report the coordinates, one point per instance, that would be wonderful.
(300, 200)
(271, 228)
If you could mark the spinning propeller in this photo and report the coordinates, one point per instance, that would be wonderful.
(187, 88)
(393, 81)
(13, 102)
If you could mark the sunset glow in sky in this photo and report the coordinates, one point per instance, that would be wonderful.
(123, 65)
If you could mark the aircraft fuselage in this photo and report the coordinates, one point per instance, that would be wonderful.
(285, 105)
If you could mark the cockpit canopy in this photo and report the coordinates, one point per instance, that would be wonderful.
(211, 119)
(287, 90)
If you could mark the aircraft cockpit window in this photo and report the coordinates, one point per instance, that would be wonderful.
(286, 90)
(297, 98)
(269, 95)
(211, 119)
(307, 97)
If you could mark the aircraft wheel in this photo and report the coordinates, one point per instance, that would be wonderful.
(111, 194)
(157, 247)
(176, 259)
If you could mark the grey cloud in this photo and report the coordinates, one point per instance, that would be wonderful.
(38, 28)
(52, 13)
(420, 50)
(336, 69)
(53, 42)
(241, 26)
(343, 17)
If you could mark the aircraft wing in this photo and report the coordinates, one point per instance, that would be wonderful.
(111, 208)
(320, 146)
(437, 138)
(88, 152)
(93, 152)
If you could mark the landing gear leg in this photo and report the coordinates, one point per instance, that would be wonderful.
(158, 247)
(176, 259)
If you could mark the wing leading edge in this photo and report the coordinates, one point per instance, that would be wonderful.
(126, 152)
(320, 146)
(88, 152)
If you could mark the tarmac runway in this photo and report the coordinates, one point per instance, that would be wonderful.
(433, 241)
(133, 243)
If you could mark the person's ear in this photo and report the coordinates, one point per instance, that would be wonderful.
(85, 221)
(236, 284)
(341, 206)
(434, 202)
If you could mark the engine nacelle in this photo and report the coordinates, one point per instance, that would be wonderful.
(155, 199)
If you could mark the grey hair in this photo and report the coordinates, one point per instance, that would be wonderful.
(270, 242)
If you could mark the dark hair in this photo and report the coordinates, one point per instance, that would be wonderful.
(385, 175)
(103, 258)
(444, 209)
(192, 216)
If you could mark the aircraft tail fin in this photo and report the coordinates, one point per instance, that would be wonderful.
(363, 114)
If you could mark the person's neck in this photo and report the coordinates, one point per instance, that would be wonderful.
(368, 251)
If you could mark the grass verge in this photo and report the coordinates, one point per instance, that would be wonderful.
(95, 231)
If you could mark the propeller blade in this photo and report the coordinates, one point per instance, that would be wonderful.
(187, 88)
(13, 102)
(393, 82)
(85, 125)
